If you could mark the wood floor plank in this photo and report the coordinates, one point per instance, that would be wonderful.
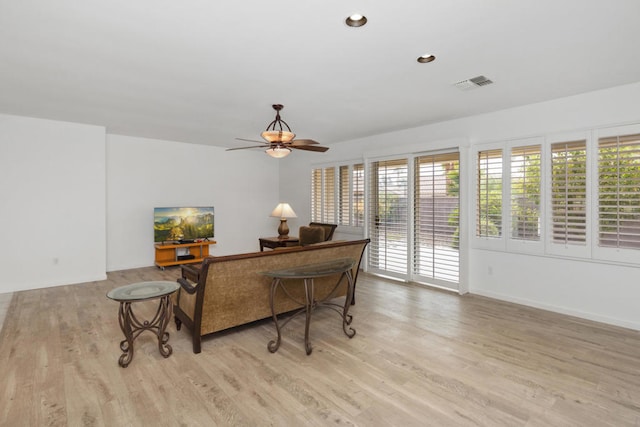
(420, 357)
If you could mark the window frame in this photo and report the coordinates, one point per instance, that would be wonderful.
(563, 249)
(618, 255)
(505, 242)
(531, 246)
(344, 200)
(439, 261)
(336, 200)
(374, 247)
(469, 174)
(358, 224)
(590, 249)
(327, 211)
(486, 242)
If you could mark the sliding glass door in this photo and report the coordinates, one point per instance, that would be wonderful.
(414, 209)
(436, 219)
(388, 217)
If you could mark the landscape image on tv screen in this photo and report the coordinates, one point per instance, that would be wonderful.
(182, 223)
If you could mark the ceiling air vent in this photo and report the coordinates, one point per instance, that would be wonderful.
(473, 83)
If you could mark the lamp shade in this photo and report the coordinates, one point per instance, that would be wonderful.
(277, 136)
(278, 152)
(283, 210)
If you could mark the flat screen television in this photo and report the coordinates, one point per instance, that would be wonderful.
(182, 224)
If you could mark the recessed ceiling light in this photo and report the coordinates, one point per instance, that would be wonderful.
(356, 20)
(426, 58)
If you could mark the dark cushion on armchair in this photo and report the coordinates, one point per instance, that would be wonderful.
(310, 235)
(328, 229)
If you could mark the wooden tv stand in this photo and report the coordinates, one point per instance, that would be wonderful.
(167, 253)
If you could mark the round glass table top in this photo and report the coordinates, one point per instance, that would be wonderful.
(143, 290)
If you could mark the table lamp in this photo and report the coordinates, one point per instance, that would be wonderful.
(283, 211)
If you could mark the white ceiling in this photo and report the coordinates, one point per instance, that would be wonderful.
(207, 71)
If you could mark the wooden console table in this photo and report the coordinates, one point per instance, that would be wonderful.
(276, 242)
(167, 253)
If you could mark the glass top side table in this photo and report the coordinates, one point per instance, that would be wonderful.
(307, 273)
(132, 327)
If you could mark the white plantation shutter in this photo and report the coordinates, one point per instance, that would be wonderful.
(316, 195)
(525, 192)
(344, 202)
(323, 195)
(338, 199)
(619, 192)
(357, 208)
(329, 211)
(489, 194)
(388, 204)
(569, 192)
(436, 218)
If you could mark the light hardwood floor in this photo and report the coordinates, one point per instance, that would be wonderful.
(420, 357)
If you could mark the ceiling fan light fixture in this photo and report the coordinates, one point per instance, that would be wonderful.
(272, 136)
(356, 20)
(278, 151)
(280, 139)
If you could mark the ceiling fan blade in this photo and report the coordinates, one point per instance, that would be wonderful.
(244, 148)
(252, 140)
(303, 142)
(317, 148)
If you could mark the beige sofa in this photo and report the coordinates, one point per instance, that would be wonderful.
(229, 291)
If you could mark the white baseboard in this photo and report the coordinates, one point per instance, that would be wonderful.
(557, 309)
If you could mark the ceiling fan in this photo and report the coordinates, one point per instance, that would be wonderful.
(280, 141)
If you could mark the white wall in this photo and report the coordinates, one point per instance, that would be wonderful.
(52, 203)
(603, 292)
(590, 290)
(77, 202)
(142, 174)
